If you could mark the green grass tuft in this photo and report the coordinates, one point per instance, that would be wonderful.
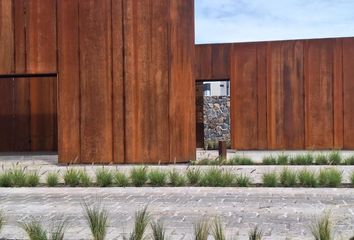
(120, 179)
(18, 177)
(288, 178)
(218, 230)
(158, 231)
(157, 178)
(321, 159)
(72, 177)
(52, 179)
(270, 179)
(307, 178)
(104, 177)
(283, 159)
(242, 180)
(302, 159)
(201, 230)
(321, 228)
(176, 179)
(97, 219)
(2, 220)
(335, 158)
(255, 234)
(85, 179)
(349, 160)
(34, 230)
(193, 175)
(32, 179)
(329, 177)
(269, 160)
(142, 219)
(240, 160)
(5, 179)
(139, 176)
(216, 177)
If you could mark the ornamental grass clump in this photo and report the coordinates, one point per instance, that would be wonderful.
(97, 219)
(201, 230)
(176, 179)
(288, 178)
(218, 230)
(335, 158)
(330, 177)
(216, 177)
(349, 160)
(2, 220)
(52, 179)
(321, 228)
(157, 178)
(72, 177)
(307, 178)
(85, 179)
(321, 159)
(5, 179)
(282, 159)
(104, 177)
(269, 160)
(142, 219)
(138, 176)
(120, 179)
(302, 159)
(240, 160)
(255, 234)
(352, 178)
(193, 175)
(32, 179)
(158, 231)
(270, 179)
(35, 230)
(18, 177)
(242, 180)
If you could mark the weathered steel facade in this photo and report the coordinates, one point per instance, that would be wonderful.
(286, 94)
(116, 75)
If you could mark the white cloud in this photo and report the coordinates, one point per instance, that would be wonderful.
(258, 20)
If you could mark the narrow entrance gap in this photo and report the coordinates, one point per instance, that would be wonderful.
(212, 113)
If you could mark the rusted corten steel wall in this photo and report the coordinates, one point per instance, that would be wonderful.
(123, 72)
(286, 94)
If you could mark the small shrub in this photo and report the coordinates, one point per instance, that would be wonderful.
(32, 179)
(157, 178)
(330, 177)
(72, 177)
(193, 175)
(104, 177)
(303, 159)
(269, 160)
(282, 159)
(5, 179)
(321, 159)
(321, 228)
(335, 158)
(240, 160)
(120, 179)
(270, 179)
(307, 178)
(85, 179)
(242, 180)
(139, 176)
(176, 179)
(217, 230)
(288, 178)
(201, 230)
(158, 231)
(255, 234)
(52, 179)
(349, 160)
(18, 177)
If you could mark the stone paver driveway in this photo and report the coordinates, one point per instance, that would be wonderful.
(279, 212)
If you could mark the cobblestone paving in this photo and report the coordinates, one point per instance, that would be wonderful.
(279, 212)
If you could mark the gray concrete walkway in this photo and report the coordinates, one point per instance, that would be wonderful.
(279, 212)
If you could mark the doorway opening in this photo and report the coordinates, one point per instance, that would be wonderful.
(212, 113)
(28, 113)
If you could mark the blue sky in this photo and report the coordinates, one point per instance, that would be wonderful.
(257, 20)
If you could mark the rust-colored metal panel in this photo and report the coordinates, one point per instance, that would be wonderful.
(146, 81)
(118, 81)
(348, 90)
(41, 36)
(203, 61)
(182, 84)
(20, 35)
(22, 133)
(6, 37)
(6, 114)
(43, 110)
(338, 111)
(285, 95)
(262, 95)
(96, 81)
(244, 97)
(221, 61)
(319, 94)
(68, 81)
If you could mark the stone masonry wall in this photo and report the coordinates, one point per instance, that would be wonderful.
(216, 118)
